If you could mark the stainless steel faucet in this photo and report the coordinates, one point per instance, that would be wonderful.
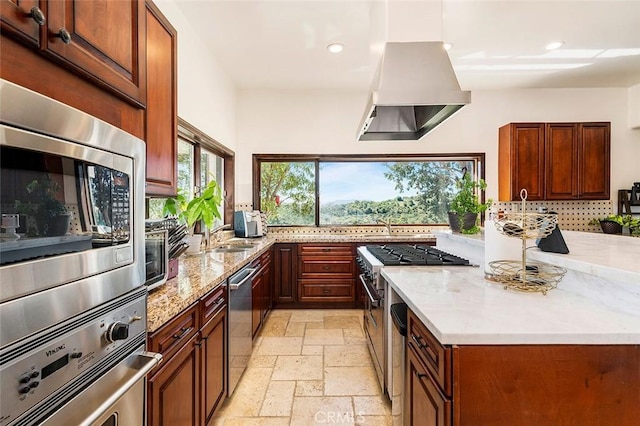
(210, 233)
(387, 224)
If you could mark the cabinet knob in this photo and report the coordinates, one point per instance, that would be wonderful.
(37, 15)
(64, 35)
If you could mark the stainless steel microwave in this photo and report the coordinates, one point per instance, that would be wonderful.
(72, 200)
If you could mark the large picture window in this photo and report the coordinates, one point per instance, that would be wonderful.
(359, 190)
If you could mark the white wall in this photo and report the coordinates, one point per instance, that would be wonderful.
(325, 122)
(206, 95)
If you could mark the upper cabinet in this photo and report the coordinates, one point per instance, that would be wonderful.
(161, 123)
(554, 161)
(101, 40)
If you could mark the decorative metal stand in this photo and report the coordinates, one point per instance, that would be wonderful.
(520, 275)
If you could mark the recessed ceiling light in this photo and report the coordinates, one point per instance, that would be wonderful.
(447, 46)
(335, 47)
(554, 45)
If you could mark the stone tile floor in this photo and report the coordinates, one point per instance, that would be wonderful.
(308, 367)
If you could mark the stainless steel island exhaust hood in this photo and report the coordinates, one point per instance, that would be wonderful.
(415, 90)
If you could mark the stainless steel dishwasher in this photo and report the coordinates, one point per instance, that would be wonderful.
(240, 339)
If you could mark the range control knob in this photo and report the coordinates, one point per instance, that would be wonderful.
(117, 331)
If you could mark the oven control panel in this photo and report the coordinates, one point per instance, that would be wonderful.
(39, 366)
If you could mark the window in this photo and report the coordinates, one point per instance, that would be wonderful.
(200, 160)
(360, 190)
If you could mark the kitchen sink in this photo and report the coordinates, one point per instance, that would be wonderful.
(242, 246)
(229, 249)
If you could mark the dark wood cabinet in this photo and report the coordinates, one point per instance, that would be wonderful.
(524, 385)
(106, 43)
(190, 383)
(257, 301)
(267, 274)
(554, 161)
(161, 115)
(173, 397)
(284, 274)
(22, 21)
(326, 273)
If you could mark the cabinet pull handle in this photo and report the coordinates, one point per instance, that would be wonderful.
(326, 267)
(419, 375)
(64, 35)
(418, 341)
(326, 291)
(184, 332)
(37, 15)
(326, 249)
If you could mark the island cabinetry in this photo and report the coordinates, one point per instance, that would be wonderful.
(326, 273)
(554, 161)
(190, 384)
(519, 384)
(284, 274)
(161, 115)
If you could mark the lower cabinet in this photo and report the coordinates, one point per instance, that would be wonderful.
(261, 294)
(190, 384)
(284, 274)
(520, 385)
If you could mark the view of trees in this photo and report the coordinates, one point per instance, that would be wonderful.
(288, 194)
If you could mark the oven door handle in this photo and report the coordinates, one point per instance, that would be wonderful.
(375, 300)
(124, 375)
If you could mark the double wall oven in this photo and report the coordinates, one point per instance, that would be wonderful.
(377, 325)
(72, 299)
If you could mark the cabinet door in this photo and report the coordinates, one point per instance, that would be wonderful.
(425, 405)
(106, 43)
(214, 374)
(561, 161)
(173, 390)
(521, 161)
(594, 161)
(18, 20)
(161, 121)
(284, 273)
(267, 293)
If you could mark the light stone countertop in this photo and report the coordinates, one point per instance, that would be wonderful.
(199, 274)
(597, 302)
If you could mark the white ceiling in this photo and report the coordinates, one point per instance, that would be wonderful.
(497, 44)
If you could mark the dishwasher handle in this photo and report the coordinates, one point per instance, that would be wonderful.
(248, 274)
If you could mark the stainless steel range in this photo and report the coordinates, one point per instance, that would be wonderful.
(371, 259)
(72, 300)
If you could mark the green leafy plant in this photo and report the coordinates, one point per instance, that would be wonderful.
(46, 206)
(626, 221)
(203, 207)
(620, 220)
(466, 201)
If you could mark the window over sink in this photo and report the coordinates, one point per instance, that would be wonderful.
(299, 190)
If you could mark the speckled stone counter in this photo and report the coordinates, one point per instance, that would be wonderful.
(201, 273)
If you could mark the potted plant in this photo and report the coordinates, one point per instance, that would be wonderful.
(49, 213)
(465, 205)
(611, 224)
(201, 208)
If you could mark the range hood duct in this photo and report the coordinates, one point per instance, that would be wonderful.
(414, 91)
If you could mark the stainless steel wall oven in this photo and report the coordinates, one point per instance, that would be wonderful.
(72, 251)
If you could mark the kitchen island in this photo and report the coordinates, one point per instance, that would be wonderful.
(496, 356)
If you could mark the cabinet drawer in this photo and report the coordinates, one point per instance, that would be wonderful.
(437, 358)
(338, 267)
(325, 250)
(213, 302)
(173, 335)
(323, 290)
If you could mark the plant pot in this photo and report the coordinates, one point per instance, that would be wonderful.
(468, 221)
(610, 227)
(195, 243)
(55, 226)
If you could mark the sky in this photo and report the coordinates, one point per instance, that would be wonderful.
(356, 181)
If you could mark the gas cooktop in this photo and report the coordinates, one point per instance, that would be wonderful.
(414, 254)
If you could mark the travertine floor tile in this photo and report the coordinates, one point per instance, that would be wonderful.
(324, 337)
(350, 381)
(309, 388)
(249, 393)
(315, 325)
(279, 346)
(312, 350)
(342, 321)
(253, 421)
(303, 367)
(347, 356)
(354, 336)
(278, 400)
(262, 360)
(275, 326)
(372, 421)
(309, 410)
(372, 405)
(295, 329)
(307, 315)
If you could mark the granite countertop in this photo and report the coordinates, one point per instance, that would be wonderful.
(598, 301)
(199, 274)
